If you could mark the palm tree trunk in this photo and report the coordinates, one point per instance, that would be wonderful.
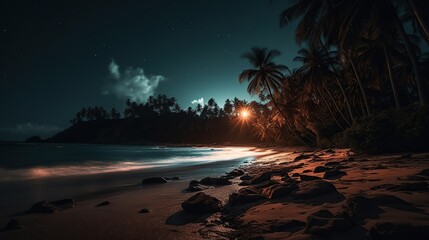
(413, 58)
(392, 82)
(362, 89)
(284, 117)
(336, 105)
(420, 18)
(329, 109)
(337, 78)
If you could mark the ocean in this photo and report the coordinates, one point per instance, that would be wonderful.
(35, 172)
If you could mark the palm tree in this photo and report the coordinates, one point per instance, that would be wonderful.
(314, 73)
(266, 76)
(360, 15)
(417, 12)
(317, 20)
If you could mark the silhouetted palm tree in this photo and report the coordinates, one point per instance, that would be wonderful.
(361, 15)
(417, 11)
(266, 76)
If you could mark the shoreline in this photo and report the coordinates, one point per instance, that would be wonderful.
(270, 218)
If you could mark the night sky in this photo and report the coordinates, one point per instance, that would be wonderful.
(60, 56)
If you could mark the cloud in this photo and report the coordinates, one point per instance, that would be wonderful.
(132, 83)
(198, 101)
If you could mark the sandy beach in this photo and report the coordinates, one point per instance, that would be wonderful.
(332, 194)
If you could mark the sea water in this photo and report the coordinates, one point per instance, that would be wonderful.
(34, 172)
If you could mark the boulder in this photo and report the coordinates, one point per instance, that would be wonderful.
(13, 224)
(323, 223)
(334, 163)
(202, 203)
(303, 156)
(362, 207)
(64, 203)
(407, 187)
(210, 181)
(329, 151)
(195, 186)
(173, 178)
(315, 158)
(308, 177)
(388, 200)
(333, 174)
(235, 173)
(279, 190)
(246, 177)
(102, 204)
(154, 180)
(144, 210)
(320, 169)
(312, 189)
(244, 196)
(397, 231)
(265, 176)
(287, 226)
(43, 207)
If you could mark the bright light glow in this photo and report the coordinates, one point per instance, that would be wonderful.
(245, 114)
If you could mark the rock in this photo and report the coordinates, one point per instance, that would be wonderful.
(398, 231)
(265, 176)
(308, 177)
(323, 223)
(329, 151)
(388, 200)
(202, 203)
(173, 178)
(424, 172)
(245, 177)
(64, 203)
(362, 207)
(312, 189)
(323, 213)
(302, 156)
(102, 204)
(235, 173)
(195, 186)
(154, 180)
(328, 164)
(279, 190)
(265, 184)
(306, 171)
(13, 224)
(144, 210)
(210, 181)
(295, 175)
(287, 226)
(333, 174)
(416, 186)
(43, 207)
(315, 158)
(320, 169)
(244, 196)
